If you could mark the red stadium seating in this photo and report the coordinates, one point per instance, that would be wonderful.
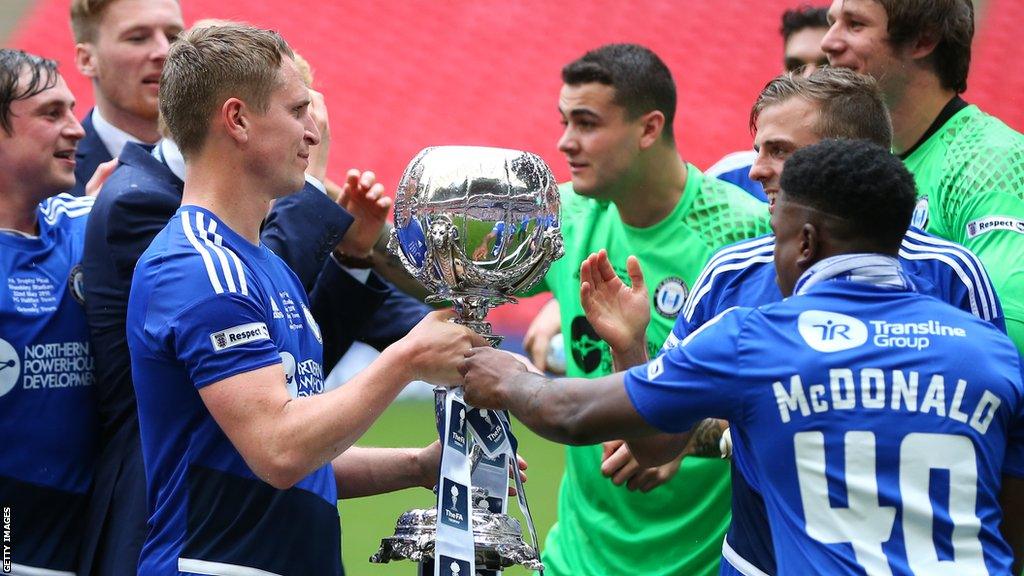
(399, 76)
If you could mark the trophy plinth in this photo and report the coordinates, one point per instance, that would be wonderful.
(497, 538)
(474, 226)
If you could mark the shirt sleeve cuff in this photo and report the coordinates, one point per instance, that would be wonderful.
(360, 274)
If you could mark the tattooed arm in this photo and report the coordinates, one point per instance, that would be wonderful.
(705, 438)
(702, 441)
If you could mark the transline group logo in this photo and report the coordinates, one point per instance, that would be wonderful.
(10, 367)
(831, 331)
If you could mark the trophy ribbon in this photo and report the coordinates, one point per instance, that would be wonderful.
(491, 432)
(454, 552)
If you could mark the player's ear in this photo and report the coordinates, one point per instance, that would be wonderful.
(810, 246)
(924, 45)
(85, 59)
(652, 124)
(234, 116)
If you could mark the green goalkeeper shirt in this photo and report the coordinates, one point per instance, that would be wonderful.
(970, 180)
(677, 528)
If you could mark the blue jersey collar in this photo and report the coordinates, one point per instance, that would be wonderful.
(873, 269)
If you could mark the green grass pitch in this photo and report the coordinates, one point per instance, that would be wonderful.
(364, 521)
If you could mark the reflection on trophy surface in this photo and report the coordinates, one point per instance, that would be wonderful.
(475, 226)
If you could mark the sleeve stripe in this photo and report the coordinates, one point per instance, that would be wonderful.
(736, 257)
(225, 267)
(964, 263)
(738, 250)
(706, 325)
(219, 240)
(186, 226)
(64, 204)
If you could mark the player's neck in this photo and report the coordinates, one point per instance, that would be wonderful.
(145, 129)
(652, 196)
(914, 110)
(18, 212)
(231, 194)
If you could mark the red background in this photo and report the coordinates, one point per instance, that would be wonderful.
(400, 75)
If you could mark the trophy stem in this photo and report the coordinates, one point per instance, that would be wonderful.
(470, 312)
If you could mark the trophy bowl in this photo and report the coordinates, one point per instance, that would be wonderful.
(476, 225)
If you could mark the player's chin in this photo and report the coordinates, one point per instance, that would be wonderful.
(64, 179)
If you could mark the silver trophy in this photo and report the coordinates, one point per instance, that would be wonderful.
(474, 225)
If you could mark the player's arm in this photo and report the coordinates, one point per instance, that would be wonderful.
(368, 471)
(283, 439)
(542, 329)
(984, 213)
(1012, 503)
(568, 410)
(704, 440)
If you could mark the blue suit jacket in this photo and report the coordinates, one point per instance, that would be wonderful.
(89, 154)
(134, 205)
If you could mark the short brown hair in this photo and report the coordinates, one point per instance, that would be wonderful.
(950, 22)
(85, 18)
(849, 104)
(206, 66)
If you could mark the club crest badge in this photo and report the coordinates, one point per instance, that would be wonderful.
(669, 296)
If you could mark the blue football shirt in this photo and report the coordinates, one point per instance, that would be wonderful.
(744, 275)
(875, 421)
(47, 398)
(205, 305)
(734, 168)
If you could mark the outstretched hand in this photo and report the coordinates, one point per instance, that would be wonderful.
(434, 350)
(364, 198)
(485, 372)
(618, 313)
(99, 177)
(621, 467)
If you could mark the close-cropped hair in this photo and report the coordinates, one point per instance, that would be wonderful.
(849, 104)
(949, 22)
(42, 75)
(797, 19)
(86, 16)
(641, 80)
(208, 65)
(858, 182)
